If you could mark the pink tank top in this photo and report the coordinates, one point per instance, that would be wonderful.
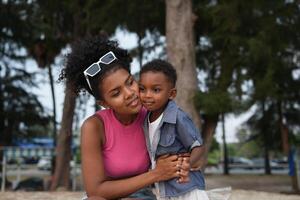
(125, 151)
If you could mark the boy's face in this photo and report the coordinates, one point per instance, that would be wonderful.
(155, 90)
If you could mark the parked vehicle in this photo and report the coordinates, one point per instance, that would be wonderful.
(240, 162)
(282, 162)
(44, 163)
(259, 163)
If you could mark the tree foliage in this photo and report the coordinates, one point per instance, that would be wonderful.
(249, 52)
(22, 114)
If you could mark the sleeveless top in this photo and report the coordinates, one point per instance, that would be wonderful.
(125, 151)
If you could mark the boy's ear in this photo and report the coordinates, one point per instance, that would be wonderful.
(173, 93)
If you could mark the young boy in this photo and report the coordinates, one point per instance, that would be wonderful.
(169, 130)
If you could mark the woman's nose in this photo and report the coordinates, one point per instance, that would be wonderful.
(128, 92)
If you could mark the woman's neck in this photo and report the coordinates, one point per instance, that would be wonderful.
(125, 119)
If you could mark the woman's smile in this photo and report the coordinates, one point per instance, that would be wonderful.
(135, 102)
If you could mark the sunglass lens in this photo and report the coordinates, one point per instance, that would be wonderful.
(108, 58)
(93, 69)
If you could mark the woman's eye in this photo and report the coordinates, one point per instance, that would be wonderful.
(130, 82)
(115, 94)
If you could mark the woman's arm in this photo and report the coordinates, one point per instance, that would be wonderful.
(95, 181)
(196, 158)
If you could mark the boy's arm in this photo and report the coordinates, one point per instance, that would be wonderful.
(187, 132)
(191, 138)
(196, 158)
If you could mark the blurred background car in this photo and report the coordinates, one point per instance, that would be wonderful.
(240, 162)
(44, 163)
(259, 163)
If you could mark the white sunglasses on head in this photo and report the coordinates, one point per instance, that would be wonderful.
(95, 68)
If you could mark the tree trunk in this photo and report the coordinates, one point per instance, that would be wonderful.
(2, 133)
(226, 169)
(283, 130)
(61, 176)
(285, 144)
(8, 132)
(266, 142)
(54, 115)
(208, 131)
(181, 53)
(53, 103)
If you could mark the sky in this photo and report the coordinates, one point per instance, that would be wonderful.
(127, 41)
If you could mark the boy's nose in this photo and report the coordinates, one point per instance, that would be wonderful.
(148, 94)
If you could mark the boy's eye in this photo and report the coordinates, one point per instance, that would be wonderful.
(157, 90)
(141, 88)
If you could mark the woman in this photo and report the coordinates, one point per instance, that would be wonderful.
(115, 160)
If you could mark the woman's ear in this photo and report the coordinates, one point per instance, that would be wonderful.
(102, 103)
(173, 93)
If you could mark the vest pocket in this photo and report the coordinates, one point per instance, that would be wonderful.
(167, 139)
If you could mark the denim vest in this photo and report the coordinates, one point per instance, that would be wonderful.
(176, 133)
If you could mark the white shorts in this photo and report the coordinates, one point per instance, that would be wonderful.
(214, 194)
(194, 194)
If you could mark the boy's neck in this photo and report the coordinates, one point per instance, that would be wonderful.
(156, 113)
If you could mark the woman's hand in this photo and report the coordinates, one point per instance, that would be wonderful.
(167, 167)
(184, 160)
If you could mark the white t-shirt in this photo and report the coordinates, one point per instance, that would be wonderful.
(153, 127)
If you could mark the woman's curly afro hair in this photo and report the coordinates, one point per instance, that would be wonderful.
(83, 54)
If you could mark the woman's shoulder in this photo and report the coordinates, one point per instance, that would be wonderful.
(143, 113)
(92, 127)
(143, 110)
(93, 120)
(104, 115)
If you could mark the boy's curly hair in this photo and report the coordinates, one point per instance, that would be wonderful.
(83, 54)
(158, 65)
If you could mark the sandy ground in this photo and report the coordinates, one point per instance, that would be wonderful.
(235, 195)
(244, 187)
(264, 183)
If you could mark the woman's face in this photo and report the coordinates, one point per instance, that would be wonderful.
(120, 92)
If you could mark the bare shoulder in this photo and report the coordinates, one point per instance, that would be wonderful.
(92, 122)
(92, 128)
